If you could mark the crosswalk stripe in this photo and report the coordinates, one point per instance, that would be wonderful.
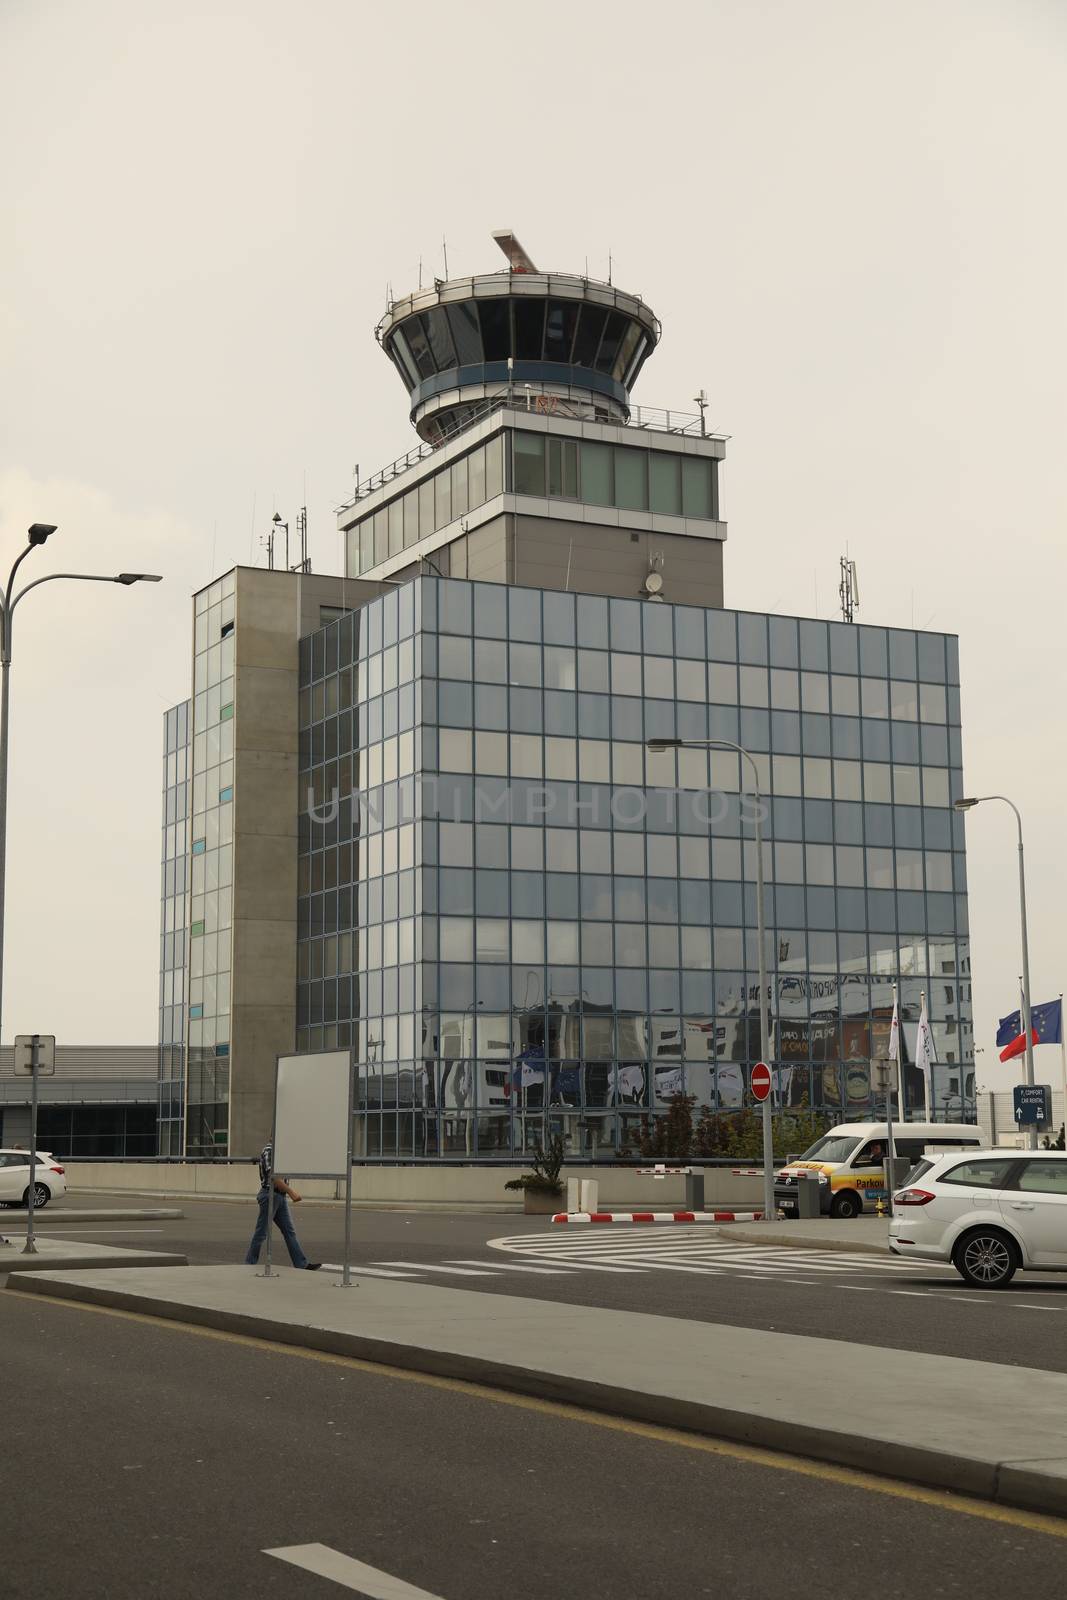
(620, 1250)
(514, 1266)
(367, 1272)
(437, 1266)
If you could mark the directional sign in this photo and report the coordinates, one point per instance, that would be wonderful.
(760, 1081)
(46, 1053)
(1033, 1104)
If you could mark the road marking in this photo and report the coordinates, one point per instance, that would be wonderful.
(756, 1455)
(436, 1266)
(512, 1266)
(684, 1252)
(366, 1272)
(1021, 1306)
(858, 1288)
(369, 1581)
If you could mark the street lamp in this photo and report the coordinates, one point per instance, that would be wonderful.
(658, 746)
(968, 805)
(37, 534)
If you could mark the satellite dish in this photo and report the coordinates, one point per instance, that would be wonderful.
(654, 582)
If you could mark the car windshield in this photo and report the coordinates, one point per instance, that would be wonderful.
(830, 1148)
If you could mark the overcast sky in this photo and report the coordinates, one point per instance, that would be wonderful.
(848, 215)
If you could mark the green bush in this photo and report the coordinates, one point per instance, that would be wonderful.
(547, 1164)
(730, 1135)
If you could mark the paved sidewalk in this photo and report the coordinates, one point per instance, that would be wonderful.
(56, 1255)
(983, 1429)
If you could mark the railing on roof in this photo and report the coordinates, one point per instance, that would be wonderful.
(649, 418)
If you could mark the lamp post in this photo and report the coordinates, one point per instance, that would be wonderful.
(657, 746)
(968, 805)
(37, 534)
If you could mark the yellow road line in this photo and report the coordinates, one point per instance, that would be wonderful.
(756, 1455)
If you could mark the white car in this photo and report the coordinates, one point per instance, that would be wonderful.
(990, 1213)
(49, 1179)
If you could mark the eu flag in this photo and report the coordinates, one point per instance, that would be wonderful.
(1046, 1021)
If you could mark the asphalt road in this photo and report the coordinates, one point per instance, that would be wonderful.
(904, 1307)
(165, 1462)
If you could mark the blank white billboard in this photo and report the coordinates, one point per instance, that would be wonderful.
(311, 1131)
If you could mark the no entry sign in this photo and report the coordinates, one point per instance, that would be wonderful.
(760, 1081)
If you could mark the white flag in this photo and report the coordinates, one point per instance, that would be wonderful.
(925, 1054)
(894, 1036)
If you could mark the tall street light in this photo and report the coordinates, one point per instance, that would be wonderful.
(658, 746)
(38, 533)
(968, 805)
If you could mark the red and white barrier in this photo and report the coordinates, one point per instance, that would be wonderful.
(658, 1216)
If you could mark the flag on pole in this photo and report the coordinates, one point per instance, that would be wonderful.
(925, 1054)
(1046, 1027)
(893, 1049)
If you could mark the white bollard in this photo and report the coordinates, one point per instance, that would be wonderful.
(574, 1195)
(590, 1193)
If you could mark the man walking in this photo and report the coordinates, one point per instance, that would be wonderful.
(280, 1189)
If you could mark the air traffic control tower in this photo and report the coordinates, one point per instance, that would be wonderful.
(533, 466)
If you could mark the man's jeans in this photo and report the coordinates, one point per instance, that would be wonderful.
(284, 1222)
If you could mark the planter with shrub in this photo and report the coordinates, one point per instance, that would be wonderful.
(541, 1188)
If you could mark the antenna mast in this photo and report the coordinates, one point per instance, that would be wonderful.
(848, 589)
(302, 529)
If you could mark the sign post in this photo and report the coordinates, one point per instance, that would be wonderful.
(1033, 1105)
(346, 1270)
(312, 1128)
(34, 1053)
(883, 1079)
(760, 1082)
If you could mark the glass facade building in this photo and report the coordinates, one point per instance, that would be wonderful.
(519, 917)
(174, 926)
(211, 869)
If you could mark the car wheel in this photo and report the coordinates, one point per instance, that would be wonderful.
(846, 1205)
(41, 1196)
(985, 1259)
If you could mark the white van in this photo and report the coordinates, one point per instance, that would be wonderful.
(848, 1161)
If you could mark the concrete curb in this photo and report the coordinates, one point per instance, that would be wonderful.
(861, 1247)
(1039, 1485)
(658, 1216)
(61, 1218)
(78, 1263)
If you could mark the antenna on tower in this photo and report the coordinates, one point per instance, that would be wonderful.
(268, 540)
(304, 564)
(848, 589)
(701, 401)
(444, 252)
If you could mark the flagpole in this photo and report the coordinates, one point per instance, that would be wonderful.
(891, 1148)
(1028, 1076)
(1063, 1069)
(927, 1074)
(902, 1113)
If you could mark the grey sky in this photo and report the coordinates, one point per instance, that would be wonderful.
(848, 216)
